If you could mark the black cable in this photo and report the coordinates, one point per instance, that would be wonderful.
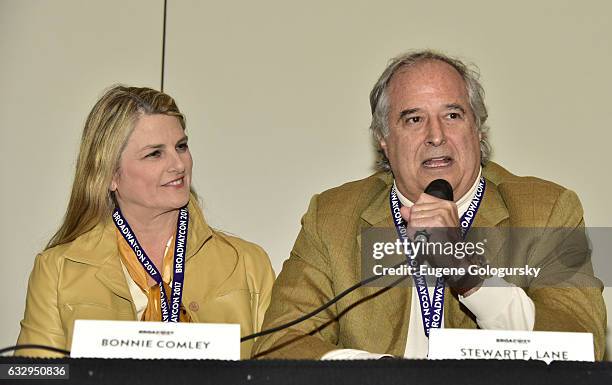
(325, 305)
(33, 346)
(163, 61)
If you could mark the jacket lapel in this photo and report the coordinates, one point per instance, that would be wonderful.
(111, 275)
(491, 214)
(395, 301)
(98, 248)
(199, 232)
(489, 223)
(493, 210)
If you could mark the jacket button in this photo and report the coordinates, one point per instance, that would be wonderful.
(193, 306)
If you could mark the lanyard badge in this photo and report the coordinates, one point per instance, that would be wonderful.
(432, 308)
(170, 311)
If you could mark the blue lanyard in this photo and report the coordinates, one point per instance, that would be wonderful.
(170, 312)
(432, 308)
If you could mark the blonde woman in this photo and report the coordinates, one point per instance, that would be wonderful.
(132, 228)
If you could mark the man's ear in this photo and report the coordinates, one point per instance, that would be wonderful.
(383, 145)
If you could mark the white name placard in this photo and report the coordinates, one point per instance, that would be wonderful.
(510, 345)
(132, 339)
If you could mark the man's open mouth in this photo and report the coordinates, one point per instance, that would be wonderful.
(440, 161)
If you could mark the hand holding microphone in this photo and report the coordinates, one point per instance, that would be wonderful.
(434, 218)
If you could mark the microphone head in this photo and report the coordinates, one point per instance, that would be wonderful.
(441, 189)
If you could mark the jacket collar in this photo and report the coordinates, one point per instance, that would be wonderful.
(378, 213)
(493, 210)
(98, 247)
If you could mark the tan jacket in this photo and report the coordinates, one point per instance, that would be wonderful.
(326, 259)
(227, 280)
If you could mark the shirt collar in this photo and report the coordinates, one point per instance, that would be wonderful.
(462, 204)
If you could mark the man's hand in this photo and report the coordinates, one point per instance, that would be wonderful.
(440, 219)
(429, 211)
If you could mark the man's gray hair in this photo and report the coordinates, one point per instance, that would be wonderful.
(379, 98)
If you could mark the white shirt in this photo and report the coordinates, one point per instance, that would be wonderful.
(497, 304)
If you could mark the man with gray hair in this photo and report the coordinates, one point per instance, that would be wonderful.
(429, 121)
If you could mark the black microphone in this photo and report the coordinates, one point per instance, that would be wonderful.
(441, 189)
(461, 284)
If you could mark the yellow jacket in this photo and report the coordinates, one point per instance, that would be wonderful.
(326, 259)
(227, 280)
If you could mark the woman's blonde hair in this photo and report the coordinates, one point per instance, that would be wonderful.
(107, 129)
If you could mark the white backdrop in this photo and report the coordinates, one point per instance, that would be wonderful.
(276, 98)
